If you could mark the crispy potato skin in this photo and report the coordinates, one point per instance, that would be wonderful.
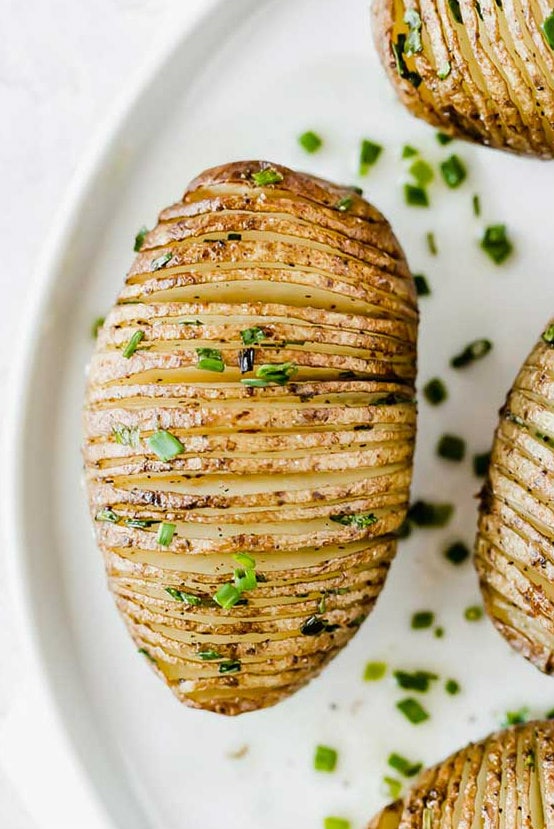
(482, 71)
(505, 781)
(318, 275)
(513, 550)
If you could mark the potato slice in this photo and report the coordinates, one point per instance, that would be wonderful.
(249, 431)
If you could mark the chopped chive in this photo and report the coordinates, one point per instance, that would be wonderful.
(415, 681)
(548, 29)
(443, 138)
(253, 336)
(476, 202)
(404, 766)
(415, 196)
(473, 613)
(374, 671)
(107, 514)
(344, 204)
(166, 533)
(422, 172)
(481, 464)
(431, 243)
(245, 560)
(452, 687)
(408, 151)
(456, 11)
(126, 436)
(229, 666)
(267, 176)
(444, 70)
(132, 345)
(245, 579)
(451, 448)
(210, 359)
(439, 632)
(182, 596)
(453, 171)
(421, 285)
(325, 758)
(96, 326)
(413, 40)
(333, 822)
(257, 384)
(412, 710)
(475, 350)
(310, 141)
(139, 238)
(435, 391)
(393, 787)
(422, 619)
(515, 717)
(208, 655)
(496, 244)
(457, 552)
(165, 445)
(161, 261)
(548, 334)
(278, 373)
(227, 596)
(369, 153)
(427, 514)
(360, 521)
(398, 49)
(140, 523)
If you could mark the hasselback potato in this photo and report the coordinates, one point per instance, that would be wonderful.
(514, 547)
(478, 69)
(503, 782)
(249, 430)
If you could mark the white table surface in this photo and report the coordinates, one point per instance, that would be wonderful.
(62, 65)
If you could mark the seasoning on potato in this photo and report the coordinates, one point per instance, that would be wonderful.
(505, 780)
(513, 552)
(478, 69)
(249, 431)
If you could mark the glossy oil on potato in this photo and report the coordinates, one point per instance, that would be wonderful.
(249, 431)
(483, 71)
(515, 543)
(503, 782)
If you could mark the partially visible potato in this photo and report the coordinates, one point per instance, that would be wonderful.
(503, 782)
(515, 543)
(266, 411)
(478, 69)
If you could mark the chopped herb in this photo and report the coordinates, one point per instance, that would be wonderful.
(145, 653)
(415, 196)
(427, 514)
(412, 710)
(422, 619)
(181, 596)
(369, 153)
(393, 787)
(476, 350)
(374, 671)
(398, 49)
(451, 447)
(496, 244)
(473, 613)
(439, 633)
(165, 445)
(245, 579)
(529, 759)
(476, 202)
(548, 29)
(515, 717)
(210, 359)
(161, 261)
(422, 172)
(548, 335)
(452, 687)
(344, 204)
(132, 345)
(166, 533)
(310, 141)
(435, 391)
(315, 625)
(333, 822)
(246, 360)
(444, 71)
(253, 336)
(481, 464)
(140, 523)
(431, 244)
(126, 436)
(456, 11)
(107, 514)
(278, 373)
(267, 176)
(229, 666)
(457, 552)
(413, 39)
(325, 758)
(453, 171)
(96, 326)
(227, 596)
(421, 285)
(443, 138)
(139, 238)
(416, 681)
(208, 655)
(404, 766)
(360, 521)
(408, 151)
(245, 560)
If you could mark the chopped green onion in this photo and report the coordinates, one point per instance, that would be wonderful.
(548, 335)
(451, 447)
(427, 514)
(422, 619)
(369, 153)
(452, 687)
(431, 244)
(210, 359)
(227, 596)
(496, 244)
(444, 70)
(374, 671)
(456, 11)
(140, 523)
(96, 326)
(404, 766)
(360, 521)
(398, 49)
(393, 787)
(443, 138)
(416, 196)
(132, 345)
(245, 560)
(139, 238)
(481, 464)
(166, 533)
(457, 552)
(229, 666)
(435, 391)
(439, 633)
(473, 613)
(421, 285)
(412, 710)
(453, 171)
(245, 579)
(548, 29)
(476, 202)
(416, 681)
(126, 436)
(333, 822)
(267, 176)
(253, 336)
(515, 717)
(408, 151)
(325, 758)
(413, 40)
(476, 350)
(344, 204)
(165, 445)
(422, 172)
(310, 141)
(314, 625)
(107, 514)
(181, 596)
(208, 655)
(278, 373)
(161, 261)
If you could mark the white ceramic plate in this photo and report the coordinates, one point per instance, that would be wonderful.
(244, 83)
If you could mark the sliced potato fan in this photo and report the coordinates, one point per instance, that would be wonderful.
(478, 69)
(249, 431)
(503, 782)
(514, 551)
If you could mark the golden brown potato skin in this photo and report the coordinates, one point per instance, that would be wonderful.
(274, 471)
(503, 782)
(482, 71)
(513, 552)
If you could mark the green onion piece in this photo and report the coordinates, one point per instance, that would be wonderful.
(208, 655)
(548, 29)
(165, 445)
(415, 196)
(314, 625)
(374, 671)
(422, 619)
(421, 285)
(456, 11)
(398, 49)
(457, 552)
(439, 633)
(140, 523)
(210, 359)
(344, 204)
(181, 596)
(107, 514)
(361, 520)
(496, 244)
(139, 238)
(408, 151)
(431, 244)
(96, 326)
(453, 171)
(451, 447)
(310, 141)
(515, 717)
(253, 336)
(427, 514)
(393, 787)
(412, 710)
(444, 70)
(476, 202)
(333, 822)
(278, 373)
(548, 335)
(435, 391)
(245, 560)
(267, 176)
(227, 596)
(452, 687)
(416, 681)
(245, 579)
(481, 464)
(443, 138)
(257, 384)
(229, 666)
(422, 172)
(166, 533)
(473, 613)
(126, 436)
(369, 153)
(413, 40)
(132, 345)
(161, 261)
(476, 350)
(404, 766)
(325, 758)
